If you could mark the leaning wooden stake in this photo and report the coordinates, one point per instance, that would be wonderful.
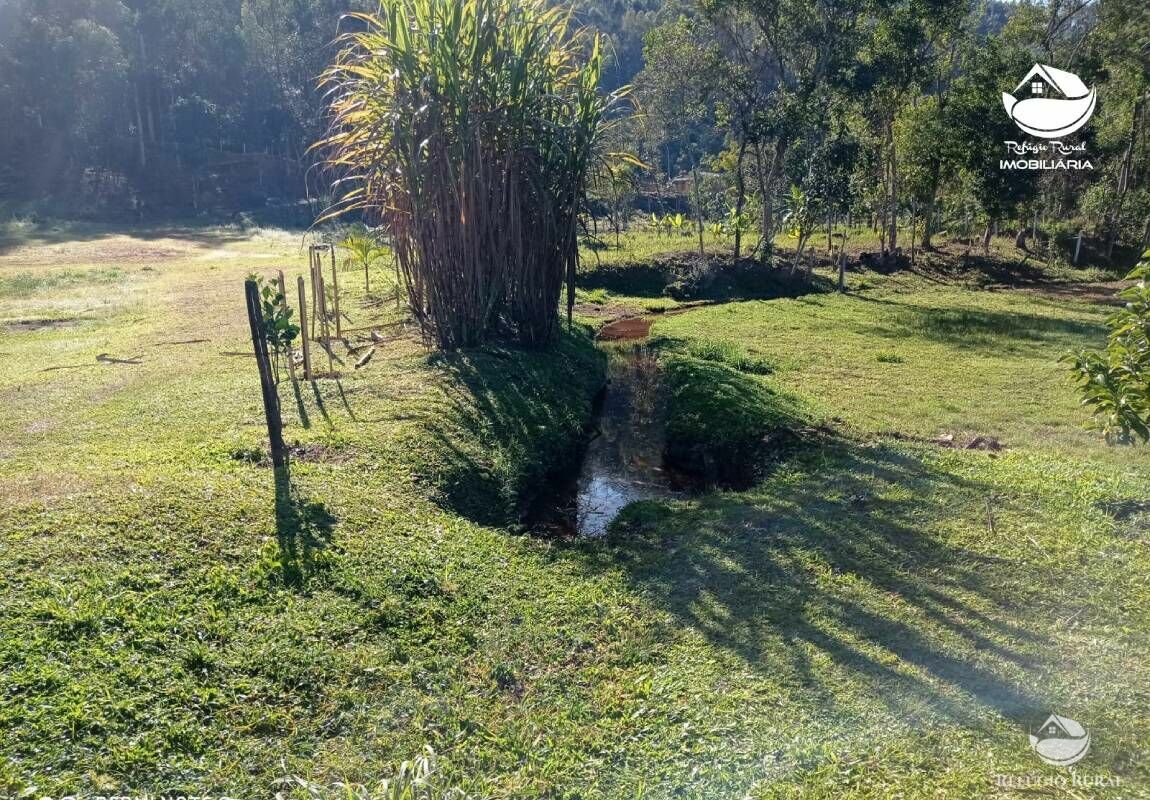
(267, 385)
(303, 329)
(335, 295)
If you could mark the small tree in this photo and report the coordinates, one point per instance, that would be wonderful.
(1115, 381)
(278, 327)
(799, 217)
(363, 251)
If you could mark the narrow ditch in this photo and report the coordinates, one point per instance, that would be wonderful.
(664, 430)
(624, 459)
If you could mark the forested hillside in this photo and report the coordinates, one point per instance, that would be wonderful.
(153, 107)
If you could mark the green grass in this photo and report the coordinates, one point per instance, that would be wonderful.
(721, 421)
(26, 283)
(968, 363)
(879, 617)
(725, 351)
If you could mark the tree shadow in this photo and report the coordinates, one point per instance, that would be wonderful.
(304, 531)
(968, 328)
(632, 280)
(838, 572)
(714, 277)
(505, 421)
(53, 233)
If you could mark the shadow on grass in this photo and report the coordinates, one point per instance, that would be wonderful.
(631, 280)
(827, 575)
(976, 328)
(303, 532)
(507, 419)
(690, 276)
(13, 235)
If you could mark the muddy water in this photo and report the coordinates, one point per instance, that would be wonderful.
(623, 462)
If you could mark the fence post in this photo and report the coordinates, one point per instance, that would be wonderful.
(315, 298)
(267, 385)
(335, 295)
(303, 331)
(320, 302)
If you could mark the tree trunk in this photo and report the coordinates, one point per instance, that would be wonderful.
(913, 222)
(740, 195)
(698, 205)
(892, 231)
(986, 236)
(140, 127)
(1020, 238)
(769, 192)
(1114, 218)
(928, 226)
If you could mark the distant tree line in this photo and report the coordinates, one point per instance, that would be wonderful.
(159, 106)
(804, 113)
(144, 108)
(779, 114)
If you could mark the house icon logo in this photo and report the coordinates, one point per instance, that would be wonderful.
(1054, 103)
(1060, 741)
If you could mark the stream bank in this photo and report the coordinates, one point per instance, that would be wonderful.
(666, 425)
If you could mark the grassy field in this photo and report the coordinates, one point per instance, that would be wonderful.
(883, 614)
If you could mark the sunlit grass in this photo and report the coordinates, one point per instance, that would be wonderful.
(876, 618)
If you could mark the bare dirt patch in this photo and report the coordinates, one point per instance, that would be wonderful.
(628, 328)
(112, 250)
(27, 325)
(608, 311)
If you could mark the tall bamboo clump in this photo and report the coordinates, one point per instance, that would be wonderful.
(466, 127)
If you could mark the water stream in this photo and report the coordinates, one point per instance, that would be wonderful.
(623, 461)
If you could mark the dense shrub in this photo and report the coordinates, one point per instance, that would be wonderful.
(467, 129)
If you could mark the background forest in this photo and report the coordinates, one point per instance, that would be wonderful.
(884, 110)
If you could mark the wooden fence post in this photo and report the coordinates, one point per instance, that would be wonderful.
(335, 294)
(315, 298)
(267, 385)
(325, 331)
(303, 331)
